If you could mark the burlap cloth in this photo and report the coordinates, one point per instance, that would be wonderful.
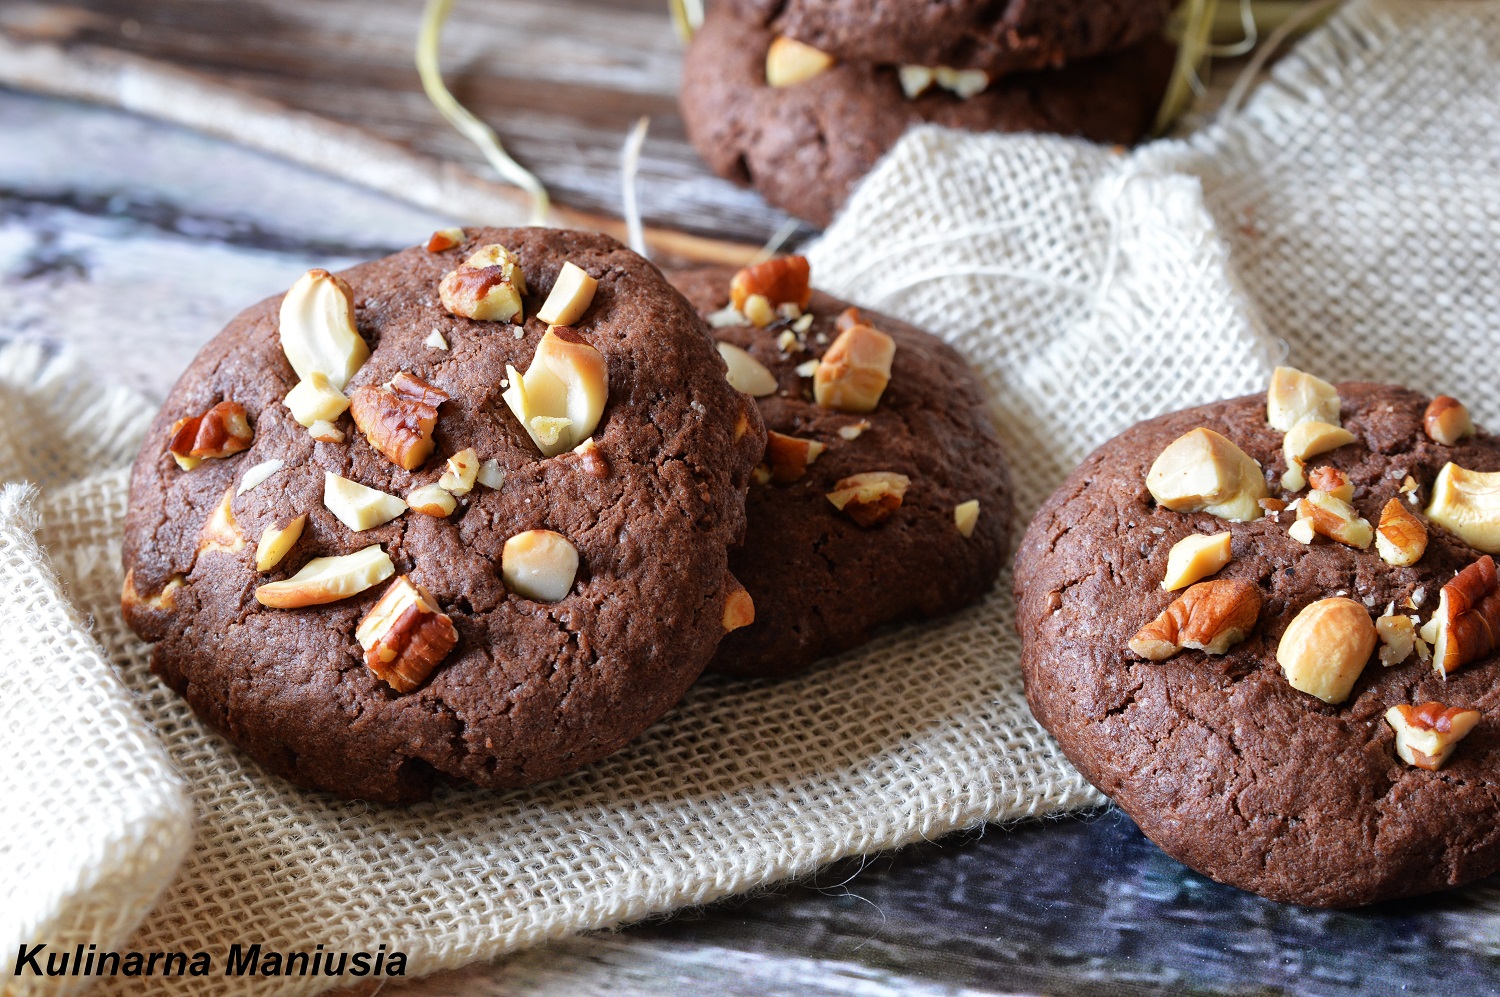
(1348, 219)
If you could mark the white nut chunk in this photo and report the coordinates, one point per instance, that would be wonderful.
(1398, 638)
(462, 469)
(1195, 557)
(1305, 440)
(540, 565)
(356, 506)
(571, 295)
(1467, 504)
(746, 373)
(315, 400)
(561, 397)
(276, 542)
(1297, 397)
(317, 330)
(328, 579)
(1202, 471)
(789, 62)
(432, 500)
(486, 287)
(853, 374)
(1324, 650)
(966, 517)
(1426, 735)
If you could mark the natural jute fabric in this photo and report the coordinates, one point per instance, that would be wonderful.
(1349, 216)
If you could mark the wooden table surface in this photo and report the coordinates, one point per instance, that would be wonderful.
(135, 241)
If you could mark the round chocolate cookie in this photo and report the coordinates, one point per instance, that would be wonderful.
(804, 146)
(1300, 796)
(540, 611)
(820, 581)
(999, 38)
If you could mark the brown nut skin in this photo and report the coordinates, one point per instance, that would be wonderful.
(406, 635)
(1468, 617)
(398, 418)
(1401, 537)
(782, 280)
(1210, 616)
(1447, 420)
(869, 498)
(222, 431)
(1325, 648)
(789, 456)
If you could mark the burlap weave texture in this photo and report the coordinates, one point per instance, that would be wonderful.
(1349, 216)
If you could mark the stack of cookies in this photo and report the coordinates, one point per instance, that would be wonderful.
(799, 98)
(482, 511)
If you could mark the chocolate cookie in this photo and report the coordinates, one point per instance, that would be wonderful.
(493, 615)
(999, 38)
(821, 581)
(803, 146)
(1273, 766)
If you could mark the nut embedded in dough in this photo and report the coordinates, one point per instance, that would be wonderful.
(540, 565)
(1326, 647)
(222, 431)
(781, 280)
(570, 297)
(398, 418)
(869, 498)
(1307, 439)
(405, 635)
(853, 374)
(790, 456)
(1401, 538)
(317, 329)
(1427, 735)
(1202, 471)
(221, 532)
(1194, 558)
(1466, 626)
(1447, 420)
(328, 579)
(486, 287)
(739, 608)
(1467, 504)
(745, 373)
(561, 397)
(1210, 616)
(357, 506)
(789, 62)
(1335, 519)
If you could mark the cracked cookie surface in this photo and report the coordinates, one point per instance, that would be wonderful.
(532, 689)
(820, 582)
(1217, 758)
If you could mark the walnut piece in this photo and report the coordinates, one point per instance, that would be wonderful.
(432, 500)
(444, 239)
(1401, 538)
(1398, 638)
(1202, 471)
(1447, 420)
(1194, 558)
(221, 532)
(853, 374)
(789, 62)
(1210, 616)
(1467, 504)
(779, 281)
(739, 608)
(746, 373)
(570, 297)
(357, 506)
(1335, 519)
(276, 542)
(328, 579)
(398, 418)
(561, 397)
(540, 565)
(405, 635)
(1466, 626)
(486, 287)
(315, 400)
(966, 517)
(461, 472)
(1298, 397)
(222, 431)
(317, 329)
(790, 456)
(869, 498)
(1307, 439)
(1325, 648)
(1332, 481)
(1426, 735)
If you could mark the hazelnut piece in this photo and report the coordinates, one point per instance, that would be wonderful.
(328, 579)
(1210, 616)
(1466, 626)
(314, 400)
(398, 418)
(1426, 735)
(276, 542)
(966, 517)
(1308, 439)
(1401, 537)
(221, 532)
(789, 62)
(317, 329)
(869, 498)
(356, 506)
(789, 456)
(444, 239)
(570, 297)
(1447, 420)
(1325, 648)
(746, 373)
(854, 372)
(1297, 397)
(432, 500)
(782, 280)
(1194, 558)
(540, 565)
(1467, 503)
(739, 608)
(222, 431)
(405, 635)
(462, 470)
(486, 287)
(1202, 471)
(561, 397)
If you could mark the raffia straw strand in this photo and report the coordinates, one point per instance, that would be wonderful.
(630, 161)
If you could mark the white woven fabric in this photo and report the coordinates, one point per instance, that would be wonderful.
(1352, 212)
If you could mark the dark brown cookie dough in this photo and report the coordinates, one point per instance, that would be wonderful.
(804, 146)
(820, 582)
(1007, 37)
(1217, 758)
(532, 689)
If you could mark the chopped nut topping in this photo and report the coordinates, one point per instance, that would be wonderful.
(1302, 531)
(163, 601)
(560, 398)
(1271, 506)
(593, 462)
(789, 62)
(1401, 537)
(487, 286)
(1466, 626)
(1334, 518)
(966, 517)
(855, 430)
(222, 431)
(445, 239)
(436, 341)
(222, 532)
(1195, 557)
(1398, 638)
(325, 432)
(1426, 735)
(1202, 471)
(1297, 397)
(746, 373)
(432, 500)
(259, 473)
(462, 470)
(1467, 504)
(328, 579)
(1332, 481)
(315, 400)
(1308, 439)
(317, 329)
(276, 542)
(789, 456)
(1447, 420)
(739, 608)
(964, 83)
(1325, 648)
(869, 498)
(571, 295)
(760, 474)
(854, 372)
(759, 311)
(356, 506)
(779, 280)
(405, 635)
(808, 368)
(398, 418)
(1210, 616)
(540, 565)
(491, 475)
